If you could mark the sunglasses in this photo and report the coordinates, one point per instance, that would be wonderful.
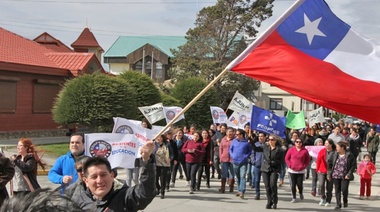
(298, 142)
(79, 169)
(271, 139)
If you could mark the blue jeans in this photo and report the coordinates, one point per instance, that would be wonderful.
(227, 170)
(240, 171)
(256, 175)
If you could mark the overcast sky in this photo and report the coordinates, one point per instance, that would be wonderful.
(108, 19)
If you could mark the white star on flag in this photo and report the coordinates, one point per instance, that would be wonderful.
(310, 29)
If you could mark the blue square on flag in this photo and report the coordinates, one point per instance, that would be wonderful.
(265, 121)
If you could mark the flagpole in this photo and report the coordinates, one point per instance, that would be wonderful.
(192, 102)
(263, 36)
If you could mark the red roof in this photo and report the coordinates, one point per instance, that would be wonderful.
(71, 61)
(52, 43)
(20, 54)
(86, 39)
(19, 50)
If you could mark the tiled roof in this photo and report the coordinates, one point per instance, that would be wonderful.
(52, 43)
(71, 61)
(86, 39)
(125, 45)
(19, 50)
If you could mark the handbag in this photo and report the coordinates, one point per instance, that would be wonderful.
(26, 178)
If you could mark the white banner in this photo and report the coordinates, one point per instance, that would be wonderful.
(316, 116)
(121, 150)
(218, 115)
(153, 113)
(126, 126)
(171, 112)
(240, 103)
(237, 120)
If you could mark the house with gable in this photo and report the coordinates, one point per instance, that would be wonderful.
(146, 54)
(32, 73)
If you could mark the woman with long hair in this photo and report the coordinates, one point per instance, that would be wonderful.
(180, 139)
(325, 186)
(206, 159)
(26, 161)
(194, 151)
(163, 154)
(342, 166)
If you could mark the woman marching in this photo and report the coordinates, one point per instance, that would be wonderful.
(342, 165)
(25, 178)
(164, 154)
(273, 155)
(194, 151)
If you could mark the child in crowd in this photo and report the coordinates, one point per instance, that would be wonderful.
(366, 169)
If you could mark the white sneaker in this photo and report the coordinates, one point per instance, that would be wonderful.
(293, 200)
(322, 202)
(187, 183)
(361, 197)
(171, 185)
(327, 204)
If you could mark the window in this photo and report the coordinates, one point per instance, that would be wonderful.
(159, 71)
(139, 66)
(148, 68)
(275, 104)
(8, 88)
(44, 94)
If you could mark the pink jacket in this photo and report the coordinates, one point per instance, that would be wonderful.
(297, 160)
(224, 154)
(366, 170)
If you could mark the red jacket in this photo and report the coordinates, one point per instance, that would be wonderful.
(366, 170)
(321, 162)
(193, 157)
(297, 160)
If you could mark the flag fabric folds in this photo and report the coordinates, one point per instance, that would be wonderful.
(153, 113)
(218, 115)
(295, 121)
(315, 116)
(312, 54)
(121, 150)
(171, 112)
(237, 120)
(265, 121)
(240, 103)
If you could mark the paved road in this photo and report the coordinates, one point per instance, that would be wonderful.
(210, 200)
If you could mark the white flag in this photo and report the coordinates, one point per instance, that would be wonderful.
(316, 116)
(121, 150)
(171, 112)
(218, 115)
(237, 120)
(153, 113)
(126, 126)
(240, 103)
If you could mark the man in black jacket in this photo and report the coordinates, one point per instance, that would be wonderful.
(102, 195)
(6, 174)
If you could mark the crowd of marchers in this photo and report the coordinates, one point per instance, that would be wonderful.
(239, 158)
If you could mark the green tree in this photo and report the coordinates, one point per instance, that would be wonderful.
(146, 92)
(93, 100)
(217, 38)
(199, 113)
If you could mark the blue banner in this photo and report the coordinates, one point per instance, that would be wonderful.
(265, 121)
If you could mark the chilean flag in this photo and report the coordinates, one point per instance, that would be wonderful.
(313, 54)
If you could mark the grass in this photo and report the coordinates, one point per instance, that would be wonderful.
(54, 150)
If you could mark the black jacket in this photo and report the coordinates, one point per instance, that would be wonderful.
(28, 167)
(6, 174)
(350, 166)
(271, 158)
(125, 198)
